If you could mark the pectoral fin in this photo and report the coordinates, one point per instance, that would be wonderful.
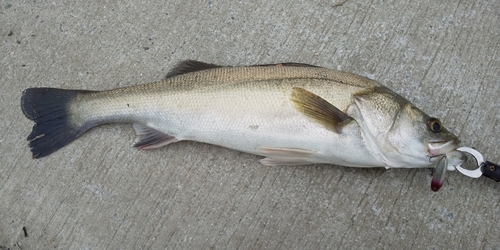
(149, 138)
(319, 110)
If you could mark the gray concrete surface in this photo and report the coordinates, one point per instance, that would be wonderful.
(100, 193)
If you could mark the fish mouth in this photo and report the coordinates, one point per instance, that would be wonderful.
(439, 148)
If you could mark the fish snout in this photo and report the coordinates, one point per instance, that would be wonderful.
(442, 147)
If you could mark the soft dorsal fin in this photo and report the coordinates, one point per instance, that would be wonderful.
(319, 110)
(148, 138)
(291, 64)
(189, 66)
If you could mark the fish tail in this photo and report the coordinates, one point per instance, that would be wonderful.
(53, 129)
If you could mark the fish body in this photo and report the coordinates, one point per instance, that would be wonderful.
(289, 113)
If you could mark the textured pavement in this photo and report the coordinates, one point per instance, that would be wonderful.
(100, 193)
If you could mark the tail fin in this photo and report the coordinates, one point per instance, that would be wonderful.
(48, 108)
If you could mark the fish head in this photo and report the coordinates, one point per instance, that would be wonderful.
(420, 140)
(403, 135)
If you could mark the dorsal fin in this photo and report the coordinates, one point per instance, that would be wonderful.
(290, 64)
(319, 110)
(189, 66)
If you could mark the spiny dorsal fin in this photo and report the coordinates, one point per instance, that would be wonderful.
(148, 138)
(189, 66)
(319, 110)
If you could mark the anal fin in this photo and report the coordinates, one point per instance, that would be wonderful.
(149, 138)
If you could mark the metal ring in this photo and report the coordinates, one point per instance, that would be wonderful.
(479, 158)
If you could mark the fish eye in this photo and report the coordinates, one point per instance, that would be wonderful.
(435, 125)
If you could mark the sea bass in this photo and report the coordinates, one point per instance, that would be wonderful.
(289, 113)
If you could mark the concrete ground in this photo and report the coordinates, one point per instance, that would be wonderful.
(100, 193)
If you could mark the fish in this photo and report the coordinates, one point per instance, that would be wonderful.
(289, 113)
